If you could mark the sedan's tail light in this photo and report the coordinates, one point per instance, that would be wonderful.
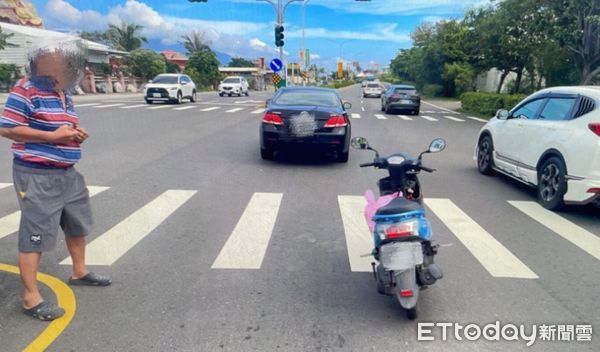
(272, 119)
(595, 127)
(336, 121)
(594, 190)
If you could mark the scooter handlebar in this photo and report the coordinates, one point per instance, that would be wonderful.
(425, 168)
(367, 164)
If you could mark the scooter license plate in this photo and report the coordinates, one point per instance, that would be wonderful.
(398, 256)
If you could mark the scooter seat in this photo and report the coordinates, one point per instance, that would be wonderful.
(399, 206)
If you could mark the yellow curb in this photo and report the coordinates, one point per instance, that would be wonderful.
(65, 298)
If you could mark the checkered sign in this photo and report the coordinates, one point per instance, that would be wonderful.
(276, 79)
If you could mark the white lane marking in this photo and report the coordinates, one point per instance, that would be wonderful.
(355, 116)
(476, 119)
(453, 118)
(380, 117)
(107, 106)
(259, 111)
(405, 118)
(162, 106)
(571, 232)
(185, 107)
(114, 243)
(211, 108)
(5, 185)
(363, 108)
(235, 110)
(246, 246)
(84, 105)
(133, 106)
(429, 118)
(359, 240)
(10, 223)
(492, 255)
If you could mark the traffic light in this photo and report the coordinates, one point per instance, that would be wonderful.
(279, 36)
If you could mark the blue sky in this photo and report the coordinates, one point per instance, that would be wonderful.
(369, 32)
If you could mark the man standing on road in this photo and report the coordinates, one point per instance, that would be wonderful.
(39, 117)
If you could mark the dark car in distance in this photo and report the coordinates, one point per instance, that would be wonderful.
(306, 117)
(401, 97)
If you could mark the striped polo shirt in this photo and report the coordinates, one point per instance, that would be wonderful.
(36, 104)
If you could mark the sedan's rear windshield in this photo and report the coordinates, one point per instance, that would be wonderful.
(373, 85)
(166, 79)
(328, 99)
(231, 80)
(405, 90)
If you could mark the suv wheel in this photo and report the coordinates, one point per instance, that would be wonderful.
(552, 184)
(485, 152)
(193, 98)
(179, 98)
(247, 94)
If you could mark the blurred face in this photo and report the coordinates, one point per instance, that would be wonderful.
(55, 66)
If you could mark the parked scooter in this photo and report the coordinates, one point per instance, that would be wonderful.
(402, 234)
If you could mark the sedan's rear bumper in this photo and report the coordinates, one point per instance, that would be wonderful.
(400, 106)
(578, 191)
(338, 139)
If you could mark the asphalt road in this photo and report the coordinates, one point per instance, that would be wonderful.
(212, 249)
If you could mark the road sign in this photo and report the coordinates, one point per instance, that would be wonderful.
(276, 79)
(340, 70)
(276, 65)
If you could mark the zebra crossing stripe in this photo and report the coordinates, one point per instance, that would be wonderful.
(355, 116)
(492, 255)
(259, 111)
(429, 118)
(476, 119)
(453, 118)
(246, 246)
(211, 108)
(185, 108)
(571, 232)
(133, 106)
(235, 110)
(162, 106)
(5, 185)
(84, 105)
(405, 118)
(107, 106)
(359, 241)
(110, 246)
(10, 223)
(381, 117)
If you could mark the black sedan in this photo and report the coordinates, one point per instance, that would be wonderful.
(306, 117)
(401, 97)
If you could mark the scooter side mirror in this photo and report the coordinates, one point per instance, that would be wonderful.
(437, 145)
(359, 143)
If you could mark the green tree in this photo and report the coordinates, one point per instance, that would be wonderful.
(4, 43)
(171, 67)
(195, 42)
(125, 36)
(240, 62)
(203, 67)
(146, 63)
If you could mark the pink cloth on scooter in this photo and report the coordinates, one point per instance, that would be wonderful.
(374, 204)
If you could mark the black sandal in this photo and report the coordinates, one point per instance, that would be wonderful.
(90, 279)
(45, 311)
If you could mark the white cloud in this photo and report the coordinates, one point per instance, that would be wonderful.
(223, 35)
(315, 57)
(381, 32)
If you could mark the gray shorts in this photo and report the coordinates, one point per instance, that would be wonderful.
(49, 199)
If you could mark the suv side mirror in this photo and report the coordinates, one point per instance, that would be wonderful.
(347, 105)
(502, 114)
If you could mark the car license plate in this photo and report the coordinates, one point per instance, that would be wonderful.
(404, 101)
(303, 125)
(156, 95)
(399, 256)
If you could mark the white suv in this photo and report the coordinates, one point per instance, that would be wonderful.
(551, 141)
(170, 88)
(234, 85)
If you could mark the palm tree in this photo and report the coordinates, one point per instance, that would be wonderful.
(4, 40)
(195, 42)
(124, 36)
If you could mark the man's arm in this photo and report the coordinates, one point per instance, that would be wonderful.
(63, 134)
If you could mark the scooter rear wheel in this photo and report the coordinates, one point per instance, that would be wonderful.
(411, 314)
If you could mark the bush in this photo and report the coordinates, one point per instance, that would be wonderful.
(488, 103)
(432, 90)
(9, 74)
